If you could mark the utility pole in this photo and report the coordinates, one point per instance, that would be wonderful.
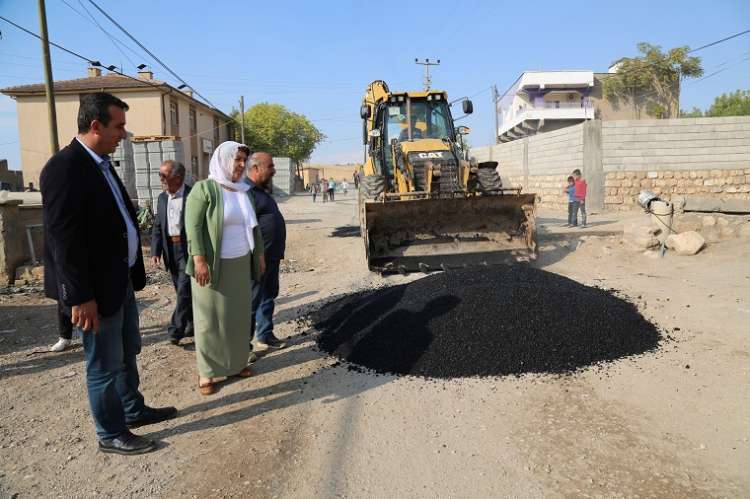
(426, 63)
(242, 117)
(48, 82)
(495, 97)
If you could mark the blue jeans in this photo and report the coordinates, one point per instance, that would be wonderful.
(264, 294)
(573, 213)
(111, 371)
(582, 207)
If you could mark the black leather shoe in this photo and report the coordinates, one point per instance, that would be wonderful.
(151, 415)
(127, 444)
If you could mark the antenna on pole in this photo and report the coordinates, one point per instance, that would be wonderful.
(427, 63)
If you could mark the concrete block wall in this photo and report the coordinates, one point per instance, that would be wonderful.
(709, 157)
(147, 158)
(539, 164)
(551, 158)
(556, 153)
(701, 156)
(678, 144)
(123, 163)
(283, 181)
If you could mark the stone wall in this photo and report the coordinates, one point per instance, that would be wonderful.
(622, 188)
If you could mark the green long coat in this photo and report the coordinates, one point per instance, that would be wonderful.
(204, 225)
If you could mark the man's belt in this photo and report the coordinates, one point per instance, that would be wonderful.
(175, 239)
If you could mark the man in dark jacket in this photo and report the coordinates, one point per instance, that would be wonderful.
(168, 242)
(273, 228)
(92, 264)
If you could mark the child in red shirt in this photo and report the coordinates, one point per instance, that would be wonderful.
(580, 194)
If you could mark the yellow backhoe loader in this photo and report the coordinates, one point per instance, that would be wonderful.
(424, 204)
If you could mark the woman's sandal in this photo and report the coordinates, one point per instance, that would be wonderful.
(245, 373)
(207, 388)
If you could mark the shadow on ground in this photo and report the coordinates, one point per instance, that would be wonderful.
(36, 340)
(326, 385)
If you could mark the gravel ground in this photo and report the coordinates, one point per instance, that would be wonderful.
(672, 423)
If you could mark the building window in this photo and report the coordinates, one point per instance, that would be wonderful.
(216, 131)
(193, 121)
(174, 116)
(194, 166)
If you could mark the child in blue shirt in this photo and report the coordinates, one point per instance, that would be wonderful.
(570, 190)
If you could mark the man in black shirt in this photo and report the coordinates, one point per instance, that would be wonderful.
(273, 228)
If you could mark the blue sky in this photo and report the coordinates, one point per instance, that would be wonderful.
(316, 58)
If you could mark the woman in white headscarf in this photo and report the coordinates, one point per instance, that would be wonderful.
(225, 249)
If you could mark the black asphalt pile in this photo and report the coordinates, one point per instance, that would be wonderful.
(484, 321)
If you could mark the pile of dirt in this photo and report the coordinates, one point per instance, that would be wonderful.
(490, 321)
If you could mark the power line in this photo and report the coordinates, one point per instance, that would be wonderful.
(736, 63)
(480, 92)
(149, 52)
(92, 62)
(719, 41)
(92, 20)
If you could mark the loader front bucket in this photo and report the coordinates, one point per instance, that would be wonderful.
(430, 234)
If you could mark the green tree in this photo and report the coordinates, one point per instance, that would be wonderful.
(693, 113)
(731, 104)
(277, 130)
(653, 79)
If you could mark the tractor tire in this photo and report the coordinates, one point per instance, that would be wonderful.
(489, 181)
(449, 180)
(420, 179)
(371, 186)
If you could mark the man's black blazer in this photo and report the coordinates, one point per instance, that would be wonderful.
(159, 237)
(85, 237)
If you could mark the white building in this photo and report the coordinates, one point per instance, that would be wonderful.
(543, 101)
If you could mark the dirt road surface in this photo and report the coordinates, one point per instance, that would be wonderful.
(675, 423)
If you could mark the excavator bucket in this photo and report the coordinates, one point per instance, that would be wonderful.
(407, 235)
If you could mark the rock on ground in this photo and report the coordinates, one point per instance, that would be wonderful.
(640, 235)
(686, 243)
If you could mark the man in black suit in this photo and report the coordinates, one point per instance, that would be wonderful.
(168, 242)
(92, 264)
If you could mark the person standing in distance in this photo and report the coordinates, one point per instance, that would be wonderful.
(168, 241)
(93, 263)
(331, 189)
(273, 228)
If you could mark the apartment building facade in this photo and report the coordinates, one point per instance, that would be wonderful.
(543, 101)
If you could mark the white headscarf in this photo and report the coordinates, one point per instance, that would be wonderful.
(220, 170)
(221, 166)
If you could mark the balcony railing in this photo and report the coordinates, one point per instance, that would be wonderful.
(563, 105)
(548, 111)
